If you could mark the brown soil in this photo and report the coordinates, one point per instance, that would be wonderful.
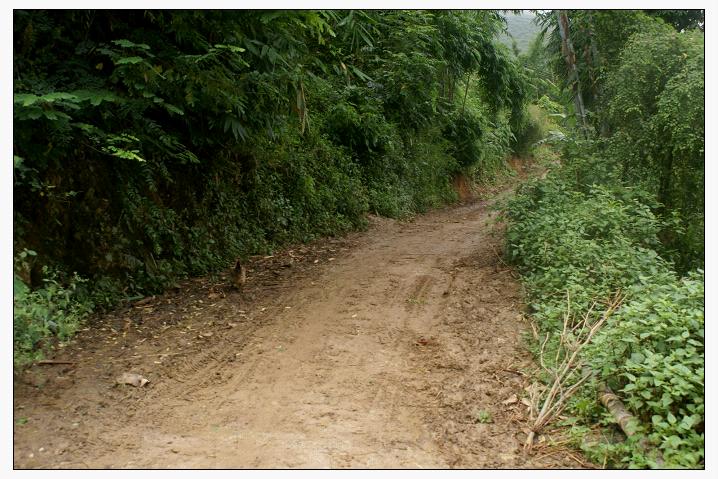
(393, 348)
(463, 187)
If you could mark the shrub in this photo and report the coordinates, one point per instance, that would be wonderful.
(464, 130)
(533, 127)
(53, 312)
(576, 243)
(653, 352)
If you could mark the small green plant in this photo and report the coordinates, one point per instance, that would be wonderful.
(482, 416)
(43, 316)
(416, 301)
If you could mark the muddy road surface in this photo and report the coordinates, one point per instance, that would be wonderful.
(397, 347)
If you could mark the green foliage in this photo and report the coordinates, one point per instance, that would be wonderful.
(413, 179)
(496, 145)
(482, 416)
(584, 245)
(655, 109)
(53, 311)
(654, 354)
(681, 19)
(534, 127)
(641, 75)
(598, 37)
(543, 80)
(580, 236)
(546, 116)
(464, 130)
(152, 145)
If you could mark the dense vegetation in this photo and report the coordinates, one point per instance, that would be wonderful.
(640, 77)
(151, 145)
(616, 232)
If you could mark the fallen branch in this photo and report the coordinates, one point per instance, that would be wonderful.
(47, 362)
(555, 398)
(144, 301)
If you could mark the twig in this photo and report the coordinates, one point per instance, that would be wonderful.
(499, 257)
(47, 362)
(543, 345)
(565, 324)
(533, 329)
(578, 460)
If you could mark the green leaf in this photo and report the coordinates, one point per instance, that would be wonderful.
(34, 114)
(124, 43)
(125, 154)
(25, 99)
(173, 109)
(86, 127)
(19, 286)
(128, 60)
(96, 97)
(51, 97)
(231, 48)
(360, 74)
(55, 115)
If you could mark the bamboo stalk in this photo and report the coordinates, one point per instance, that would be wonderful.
(624, 419)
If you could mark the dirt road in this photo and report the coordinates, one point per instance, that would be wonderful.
(398, 347)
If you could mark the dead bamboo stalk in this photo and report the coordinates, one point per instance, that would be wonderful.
(613, 403)
(625, 420)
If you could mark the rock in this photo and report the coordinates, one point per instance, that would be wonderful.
(132, 379)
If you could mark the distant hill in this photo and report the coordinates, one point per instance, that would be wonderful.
(522, 28)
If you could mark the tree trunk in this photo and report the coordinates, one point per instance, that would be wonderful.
(570, 56)
(595, 70)
(466, 93)
(666, 180)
